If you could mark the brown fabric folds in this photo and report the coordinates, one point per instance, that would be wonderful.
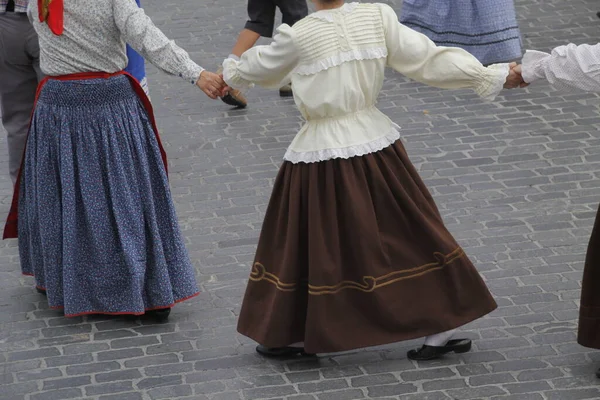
(353, 253)
(589, 313)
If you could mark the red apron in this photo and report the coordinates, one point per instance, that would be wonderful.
(11, 227)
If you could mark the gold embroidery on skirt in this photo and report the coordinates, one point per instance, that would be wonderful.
(368, 283)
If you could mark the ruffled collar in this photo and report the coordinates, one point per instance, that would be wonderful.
(328, 15)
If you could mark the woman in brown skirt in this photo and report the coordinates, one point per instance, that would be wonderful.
(353, 251)
(566, 68)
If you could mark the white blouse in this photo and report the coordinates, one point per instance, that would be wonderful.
(568, 67)
(336, 59)
(95, 32)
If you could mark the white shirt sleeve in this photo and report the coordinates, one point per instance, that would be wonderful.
(269, 66)
(416, 56)
(566, 68)
(143, 36)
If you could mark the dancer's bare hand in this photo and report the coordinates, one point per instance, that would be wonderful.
(211, 84)
(513, 80)
(518, 69)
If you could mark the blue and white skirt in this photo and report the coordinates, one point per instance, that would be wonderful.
(97, 226)
(485, 28)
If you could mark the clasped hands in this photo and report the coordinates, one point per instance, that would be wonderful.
(515, 77)
(212, 84)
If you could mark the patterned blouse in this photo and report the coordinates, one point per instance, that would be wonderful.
(568, 68)
(95, 33)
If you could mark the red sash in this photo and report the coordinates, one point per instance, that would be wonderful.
(11, 227)
(52, 14)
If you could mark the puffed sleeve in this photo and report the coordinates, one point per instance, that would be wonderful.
(416, 56)
(566, 68)
(267, 66)
(140, 33)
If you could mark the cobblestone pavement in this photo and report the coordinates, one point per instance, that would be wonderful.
(517, 182)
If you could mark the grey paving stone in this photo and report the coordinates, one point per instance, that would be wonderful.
(516, 181)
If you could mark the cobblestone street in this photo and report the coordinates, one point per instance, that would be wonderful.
(517, 181)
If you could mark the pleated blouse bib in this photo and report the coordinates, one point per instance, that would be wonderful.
(336, 61)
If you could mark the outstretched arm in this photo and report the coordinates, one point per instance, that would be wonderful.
(138, 30)
(566, 68)
(267, 66)
(416, 56)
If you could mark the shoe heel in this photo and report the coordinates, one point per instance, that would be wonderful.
(465, 348)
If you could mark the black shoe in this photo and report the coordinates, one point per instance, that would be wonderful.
(598, 373)
(598, 14)
(432, 352)
(281, 352)
(40, 290)
(235, 98)
(286, 91)
(159, 316)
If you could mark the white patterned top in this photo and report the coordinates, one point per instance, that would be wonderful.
(336, 61)
(95, 33)
(566, 68)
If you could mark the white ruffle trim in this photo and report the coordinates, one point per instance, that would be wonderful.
(358, 150)
(531, 63)
(327, 15)
(494, 83)
(232, 77)
(340, 58)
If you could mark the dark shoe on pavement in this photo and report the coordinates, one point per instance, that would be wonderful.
(598, 373)
(426, 353)
(235, 98)
(40, 290)
(159, 316)
(286, 91)
(281, 352)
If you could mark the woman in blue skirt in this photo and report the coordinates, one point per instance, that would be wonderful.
(92, 208)
(485, 28)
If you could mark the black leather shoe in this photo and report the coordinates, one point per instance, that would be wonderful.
(286, 91)
(432, 352)
(281, 352)
(41, 291)
(598, 373)
(235, 98)
(159, 316)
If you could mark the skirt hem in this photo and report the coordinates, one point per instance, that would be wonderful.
(368, 343)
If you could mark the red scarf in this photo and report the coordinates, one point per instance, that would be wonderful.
(52, 12)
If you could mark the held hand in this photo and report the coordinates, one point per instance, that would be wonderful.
(519, 70)
(514, 79)
(211, 84)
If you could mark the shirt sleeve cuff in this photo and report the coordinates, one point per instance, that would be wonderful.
(531, 65)
(492, 81)
(192, 73)
(232, 77)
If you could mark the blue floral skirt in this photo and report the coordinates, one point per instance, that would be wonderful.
(97, 226)
(485, 28)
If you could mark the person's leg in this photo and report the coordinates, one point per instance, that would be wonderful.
(19, 68)
(246, 40)
(261, 22)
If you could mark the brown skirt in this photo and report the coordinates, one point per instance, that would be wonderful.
(589, 313)
(353, 253)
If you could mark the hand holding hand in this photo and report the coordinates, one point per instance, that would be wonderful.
(519, 71)
(211, 84)
(514, 79)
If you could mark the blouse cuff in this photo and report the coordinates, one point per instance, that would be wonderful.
(232, 77)
(492, 81)
(531, 63)
(192, 73)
